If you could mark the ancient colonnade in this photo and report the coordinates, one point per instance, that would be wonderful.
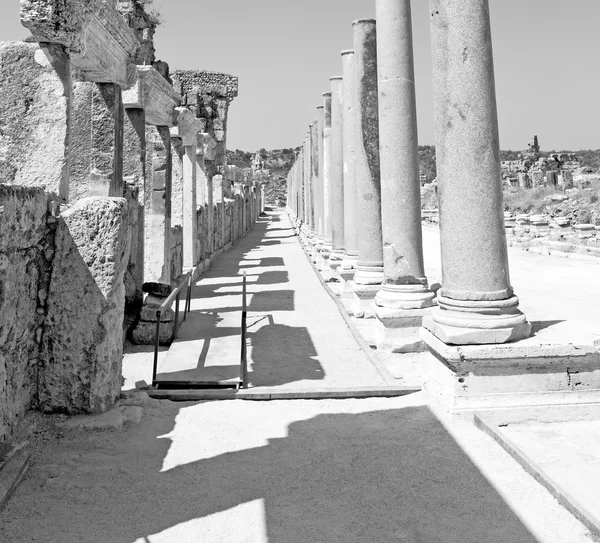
(361, 215)
(114, 177)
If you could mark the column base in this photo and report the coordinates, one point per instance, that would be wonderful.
(362, 301)
(350, 262)
(405, 297)
(336, 257)
(398, 330)
(474, 378)
(327, 249)
(466, 322)
(369, 275)
(345, 274)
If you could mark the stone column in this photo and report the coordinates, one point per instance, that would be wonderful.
(190, 221)
(370, 247)
(477, 304)
(405, 294)
(351, 217)
(157, 201)
(321, 159)
(336, 172)
(327, 188)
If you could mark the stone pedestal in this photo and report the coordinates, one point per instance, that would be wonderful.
(398, 330)
(351, 136)
(337, 172)
(476, 302)
(476, 378)
(370, 247)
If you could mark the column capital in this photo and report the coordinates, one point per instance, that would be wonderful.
(99, 42)
(186, 127)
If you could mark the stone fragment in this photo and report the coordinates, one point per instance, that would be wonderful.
(159, 290)
(131, 414)
(145, 333)
(135, 397)
(111, 420)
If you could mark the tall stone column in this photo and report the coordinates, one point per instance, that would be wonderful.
(157, 202)
(190, 221)
(477, 304)
(370, 247)
(319, 167)
(327, 187)
(404, 297)
(349, 114)
(336, 172)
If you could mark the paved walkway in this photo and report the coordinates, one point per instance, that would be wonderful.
(297, 336)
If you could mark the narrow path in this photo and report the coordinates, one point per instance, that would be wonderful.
(297, 337)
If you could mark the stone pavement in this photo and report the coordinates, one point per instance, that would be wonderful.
(297, 337)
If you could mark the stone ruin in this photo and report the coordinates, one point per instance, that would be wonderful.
(110, 179)
(532, 170)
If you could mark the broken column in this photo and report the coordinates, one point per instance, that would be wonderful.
(351, 135)
(336, 172)
(369, 274)
(477, 304)
(402, 300)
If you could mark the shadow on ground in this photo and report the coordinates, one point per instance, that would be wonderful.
(384, 476)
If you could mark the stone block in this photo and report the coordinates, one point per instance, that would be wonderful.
(153, 93)
(35, 103)
(22, 297)
(100, 43)
(82, 346)
(145, 333)
(466, 379)
(397, 330)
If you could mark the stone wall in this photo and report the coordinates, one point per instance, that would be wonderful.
(25, 256)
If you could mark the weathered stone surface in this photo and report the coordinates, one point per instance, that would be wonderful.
(145, 333)
(35, 101)
(143, 25)
(153, 93)
(96, 165)
(148, 314)
(22, 233)
(186, 127)
(111, 420)
(336, 170)
(135, 397)
(370, 245)
(82, 347)
(100, 43)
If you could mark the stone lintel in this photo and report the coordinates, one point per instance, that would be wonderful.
(155, 95)
(186, 127)
(206, 82)
(100, 43)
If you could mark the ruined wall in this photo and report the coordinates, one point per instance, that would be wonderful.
(25, 252)
(208, 95)
(35, 94)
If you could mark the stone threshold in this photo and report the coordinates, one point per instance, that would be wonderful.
(492, 425)
(13, 467)
(266, 394)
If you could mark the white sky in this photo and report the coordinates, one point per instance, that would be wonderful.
(547, 54)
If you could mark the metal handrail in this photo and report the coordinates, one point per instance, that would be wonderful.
(244, 356)
(174, 296)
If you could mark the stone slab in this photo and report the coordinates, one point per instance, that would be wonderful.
(562, 456)
(265, 394)
(153, 93)
(100, 43)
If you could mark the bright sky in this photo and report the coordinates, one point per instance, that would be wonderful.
(547, 54)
